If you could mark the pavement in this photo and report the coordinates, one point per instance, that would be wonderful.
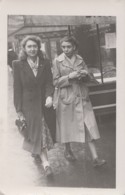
(18, 168)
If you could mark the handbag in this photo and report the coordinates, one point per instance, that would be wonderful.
(21, 125)
(89, 79)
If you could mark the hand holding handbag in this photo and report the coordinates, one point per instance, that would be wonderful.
(21, 125)
(89, 79)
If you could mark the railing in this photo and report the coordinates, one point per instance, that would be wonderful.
(103, 98)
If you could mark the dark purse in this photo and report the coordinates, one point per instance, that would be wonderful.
(21, 125)
(89, 79)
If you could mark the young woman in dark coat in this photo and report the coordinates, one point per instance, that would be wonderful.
(33, 91)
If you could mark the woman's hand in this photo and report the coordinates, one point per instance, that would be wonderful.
(83, 73)
(74, 75)
(20, 116)
(49, 102)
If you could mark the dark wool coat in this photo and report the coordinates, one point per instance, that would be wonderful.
(30, 93)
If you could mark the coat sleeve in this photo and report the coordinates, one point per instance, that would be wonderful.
(58, 80)
(49, 88)
(17, 87)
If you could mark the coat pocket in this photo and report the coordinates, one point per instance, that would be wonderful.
(66, 95)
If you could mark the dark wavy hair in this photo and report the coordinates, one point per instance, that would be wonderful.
(71, 40)
(37, 40)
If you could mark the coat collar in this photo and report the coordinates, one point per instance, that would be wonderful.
(28, 70)
(62, 58)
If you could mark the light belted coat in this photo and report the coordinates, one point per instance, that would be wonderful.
(72, 103)
(30, 93)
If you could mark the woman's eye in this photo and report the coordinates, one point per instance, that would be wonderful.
(30, 46)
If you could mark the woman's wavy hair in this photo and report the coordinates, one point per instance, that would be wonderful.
(71, 40)
(37, 40)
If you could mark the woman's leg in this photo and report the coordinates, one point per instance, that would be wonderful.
(96, 160)
(44, 157)
(68, 152)
(93, 150)
(45, 162)
(67, 146)
(92, 147)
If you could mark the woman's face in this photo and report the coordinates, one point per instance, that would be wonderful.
(31, 48)
(68, 48)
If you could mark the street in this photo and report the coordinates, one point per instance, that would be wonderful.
(17, 167)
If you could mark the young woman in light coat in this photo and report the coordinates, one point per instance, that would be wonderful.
(75, 119)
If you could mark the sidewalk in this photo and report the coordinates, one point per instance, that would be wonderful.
(18, 168)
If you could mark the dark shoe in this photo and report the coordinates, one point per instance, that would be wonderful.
(48, 171)
(69, 155)
(99, 162)
(37, 158)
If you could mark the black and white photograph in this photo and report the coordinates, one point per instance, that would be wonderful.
(61, 80)
(62, 99)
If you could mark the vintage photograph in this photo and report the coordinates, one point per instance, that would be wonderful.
(61, 101)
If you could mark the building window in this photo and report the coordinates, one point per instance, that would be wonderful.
(98, 50)
(108, 56)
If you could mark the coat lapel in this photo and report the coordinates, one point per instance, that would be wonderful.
(40, 68)
(27, 69)
(67, 64)
(64, 61)
(78, 61)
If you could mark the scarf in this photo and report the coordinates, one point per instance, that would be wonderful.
(34, 65)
